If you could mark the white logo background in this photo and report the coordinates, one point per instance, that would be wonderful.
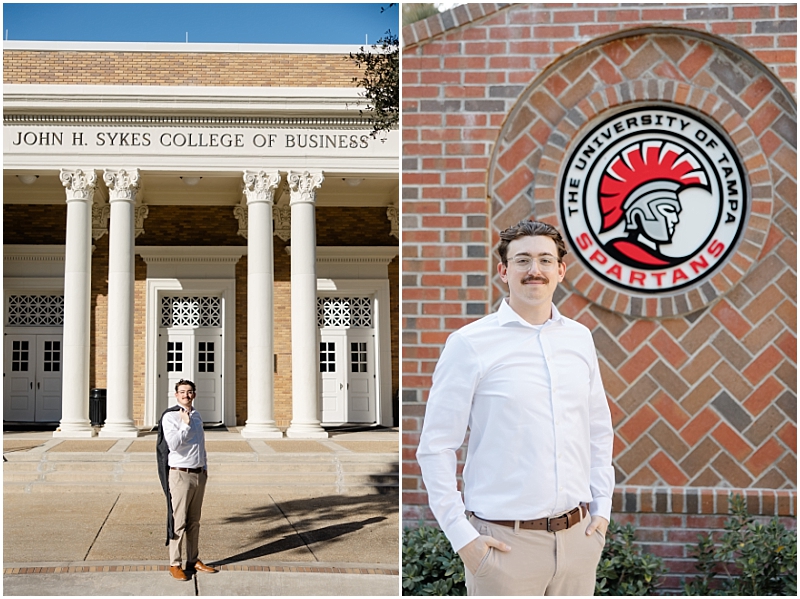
(713, 205)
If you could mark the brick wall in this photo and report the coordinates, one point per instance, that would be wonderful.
(669, 521)
(178, 69)
(98, 333)
(702, 389)
(35, 223)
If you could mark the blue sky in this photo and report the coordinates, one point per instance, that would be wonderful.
(250, 23)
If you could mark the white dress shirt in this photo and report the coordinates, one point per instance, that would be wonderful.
(187, 447)
(540, 438)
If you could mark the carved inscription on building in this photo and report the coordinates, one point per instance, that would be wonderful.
(92, 139)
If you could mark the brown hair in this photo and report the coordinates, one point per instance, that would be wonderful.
(185, 382)
(525, 228)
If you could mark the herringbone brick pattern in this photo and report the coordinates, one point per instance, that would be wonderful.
(702, 386)
(697, 405)
(533, 143)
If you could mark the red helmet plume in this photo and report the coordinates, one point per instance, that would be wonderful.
(639, 163)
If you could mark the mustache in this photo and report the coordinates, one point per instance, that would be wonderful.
(534, 278)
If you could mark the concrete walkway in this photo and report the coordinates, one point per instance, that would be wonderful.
(75, 525)
(148, 579)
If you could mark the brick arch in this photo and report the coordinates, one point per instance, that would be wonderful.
(686, 68)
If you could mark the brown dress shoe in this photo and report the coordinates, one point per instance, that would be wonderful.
(178, 573)
(201, 567)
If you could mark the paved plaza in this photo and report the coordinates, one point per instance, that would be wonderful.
(284, 517)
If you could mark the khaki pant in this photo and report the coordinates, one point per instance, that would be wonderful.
(539, 562)
(187, 490)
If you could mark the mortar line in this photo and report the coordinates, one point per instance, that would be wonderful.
(277, 505)
(101, 527)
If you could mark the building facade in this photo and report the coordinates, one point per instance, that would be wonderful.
(661, 140)
(219, 213)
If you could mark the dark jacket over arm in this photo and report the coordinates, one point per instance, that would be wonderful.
(162, 453)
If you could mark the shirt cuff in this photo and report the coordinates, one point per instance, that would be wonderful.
(461, 533)
(601, 506)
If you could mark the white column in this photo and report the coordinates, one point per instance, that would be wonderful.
(305, 339)
(259, 187)
(122, 186)
(80, 186)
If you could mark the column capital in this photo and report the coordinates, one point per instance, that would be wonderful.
(80, 184)
(260, 186)
(122, 184)
(303, 186)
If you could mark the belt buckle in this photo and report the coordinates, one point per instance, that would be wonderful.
(556, 518)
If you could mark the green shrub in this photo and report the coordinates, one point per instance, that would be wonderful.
(756, 559)
(623, 569)
(430, 566)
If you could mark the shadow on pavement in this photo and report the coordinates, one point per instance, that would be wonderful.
(380, 480)
(305, 522)
(320, 535)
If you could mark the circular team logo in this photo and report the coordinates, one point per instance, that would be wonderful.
(653, 199)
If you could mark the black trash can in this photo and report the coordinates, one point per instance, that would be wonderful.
(97, 407)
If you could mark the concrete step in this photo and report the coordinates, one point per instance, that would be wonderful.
(155, 488)
(332, 473)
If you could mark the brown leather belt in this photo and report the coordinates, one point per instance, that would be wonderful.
(192, 470)
(562, 522)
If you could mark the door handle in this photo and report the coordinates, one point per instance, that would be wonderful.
(341, 386)
(31, 384)
(38, 385)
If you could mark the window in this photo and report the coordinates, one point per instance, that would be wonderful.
(358, 357)
(52, 356)
(19, 356)
(174, 356)
(327, 356)
(36, 310)
(348, 312)
(205, 356)
(194, 311)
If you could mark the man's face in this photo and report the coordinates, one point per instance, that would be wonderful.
(668, 210)
(185, 396)
(533, 269)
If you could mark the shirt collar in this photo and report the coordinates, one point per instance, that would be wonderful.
(506, 314)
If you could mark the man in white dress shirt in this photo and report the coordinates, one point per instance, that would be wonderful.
(181, 431)
(526, 382)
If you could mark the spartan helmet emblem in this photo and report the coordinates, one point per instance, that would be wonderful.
(652, 210)
(640, 199)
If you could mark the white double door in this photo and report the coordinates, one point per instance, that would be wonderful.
(347, 375)
(193, 354)
(32, 378)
